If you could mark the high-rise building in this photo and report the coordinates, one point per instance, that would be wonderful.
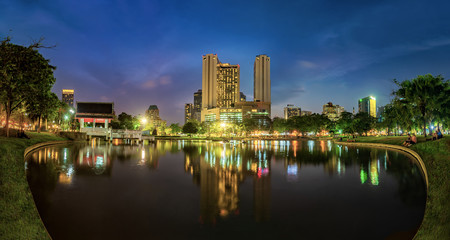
(242, 97)
(67, 96)
(368, 105)
(209, 81)
(188, 112)
(152, 114)
(262, 79)
(290, 111)
(197, 111)
(333, 112)
(227, 85)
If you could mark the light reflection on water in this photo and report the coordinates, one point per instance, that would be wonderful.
(225, 172)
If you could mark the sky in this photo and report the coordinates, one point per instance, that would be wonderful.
(143, 52)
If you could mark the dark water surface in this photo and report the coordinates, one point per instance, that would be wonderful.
(211, 190)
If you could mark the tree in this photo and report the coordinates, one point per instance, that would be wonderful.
(345, 123)
(23, 72)
(175, 128)
(424, 94)
(363, 122)
(280, 125)
(44, 105)
(126, 121)
(190, 128)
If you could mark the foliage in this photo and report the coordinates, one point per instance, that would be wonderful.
(363, 122)
(427, 98)
(175, 128)
(127, 121)
(25, 76)
(190, 128)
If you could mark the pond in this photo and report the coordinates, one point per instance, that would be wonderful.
(212, 190)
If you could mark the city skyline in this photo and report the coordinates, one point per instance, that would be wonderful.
(147, 53)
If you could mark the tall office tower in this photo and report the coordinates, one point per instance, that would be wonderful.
(227, 85)
(242, 97)
(188, 112)
(67, 96)
(333, 112)
(262, 79)
(290, 111)
(197, 111)
(209, 81)
(368, 105)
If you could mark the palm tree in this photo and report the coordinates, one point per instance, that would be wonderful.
(422, 94)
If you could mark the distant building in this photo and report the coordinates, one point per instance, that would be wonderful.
(306, 113)
(197, 111)
(243, 98)
(380, 113)
(368, 105)
(67, 96)
(333, 112)
(188, 111)
(152, 115)
(290, 111)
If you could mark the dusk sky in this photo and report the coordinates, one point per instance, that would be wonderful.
(141, 53)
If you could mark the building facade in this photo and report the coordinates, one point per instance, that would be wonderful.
(242, 97)
(188, 112)
(67, 96)
(209, 81)
(368, 105)
(333, 112)
(197, 111)
(228, 85)
(306, 113)
(290, 111)
(261, 91)
(152, 115)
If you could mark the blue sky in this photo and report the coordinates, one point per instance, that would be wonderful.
(139, 53)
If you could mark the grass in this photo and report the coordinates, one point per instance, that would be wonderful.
(18, 214)
(436, 156)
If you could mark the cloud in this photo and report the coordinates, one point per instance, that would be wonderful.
(307, 64)
(150, 84)
(105, 99)
(165, 80)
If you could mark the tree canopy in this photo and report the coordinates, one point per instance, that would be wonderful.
(25, 76)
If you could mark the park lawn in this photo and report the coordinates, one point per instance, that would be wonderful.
(436, 156)
(19, 216)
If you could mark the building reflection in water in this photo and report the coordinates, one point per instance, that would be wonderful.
(220, 168)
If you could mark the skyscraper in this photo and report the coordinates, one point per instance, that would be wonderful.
(188, 112)
(197, 111)
(368, 105)
(262, 78)
(209, 81)
(227, 85)
(67, 96)
(290, 111)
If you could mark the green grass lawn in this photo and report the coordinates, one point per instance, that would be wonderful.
(436, 156)
(18, 214)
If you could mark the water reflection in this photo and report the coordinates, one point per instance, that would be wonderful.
(225, 172)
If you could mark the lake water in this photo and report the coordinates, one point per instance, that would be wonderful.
(213, 190)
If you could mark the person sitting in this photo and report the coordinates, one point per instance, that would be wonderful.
(408, 140)
(413, 140)
(435, 136)
(439, 134)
